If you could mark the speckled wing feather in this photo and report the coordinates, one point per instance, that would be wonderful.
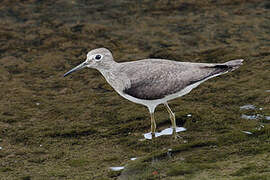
(155, 78)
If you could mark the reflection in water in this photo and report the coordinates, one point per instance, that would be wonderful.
(117, 168)
(248, 106)
(250, 117)
(255, 117)
(168, 131)
(247, 132)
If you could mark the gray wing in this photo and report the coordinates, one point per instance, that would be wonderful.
(154, 78)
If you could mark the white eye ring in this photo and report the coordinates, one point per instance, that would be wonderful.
(98, 57)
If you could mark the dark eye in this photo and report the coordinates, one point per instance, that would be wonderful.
(98, 57)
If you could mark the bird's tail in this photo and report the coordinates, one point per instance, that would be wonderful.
(234, 64)
(227, 66)
(218, 69)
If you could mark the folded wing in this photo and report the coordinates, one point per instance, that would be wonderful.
(154, 78)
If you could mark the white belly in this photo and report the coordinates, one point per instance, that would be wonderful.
(151, 104)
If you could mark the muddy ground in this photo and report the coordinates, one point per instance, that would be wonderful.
(77, 127)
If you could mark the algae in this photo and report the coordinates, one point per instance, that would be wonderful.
(77, 127)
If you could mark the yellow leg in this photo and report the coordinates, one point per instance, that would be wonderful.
(153, 124)
(172, 116)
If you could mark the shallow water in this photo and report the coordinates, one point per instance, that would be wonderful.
(164, 132)
(117, 168)
(247, 132)
(248, 106)
(64, 128)
(251, 117)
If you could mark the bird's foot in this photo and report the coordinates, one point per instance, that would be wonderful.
(175, 135)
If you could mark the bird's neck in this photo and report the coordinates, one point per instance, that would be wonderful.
(107, 67)
(114, 78)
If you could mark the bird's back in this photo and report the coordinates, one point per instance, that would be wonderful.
(156, 78)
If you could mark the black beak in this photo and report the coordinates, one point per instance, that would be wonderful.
(76, 68)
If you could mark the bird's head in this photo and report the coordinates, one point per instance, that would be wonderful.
(100, 59)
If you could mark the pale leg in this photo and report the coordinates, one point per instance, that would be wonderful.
(153, 124)
(172, 117)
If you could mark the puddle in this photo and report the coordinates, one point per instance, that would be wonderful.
(247, 132)
(117, 168)
(248, 106)
(0, 147)
(255, 117)
(168, 131)
(267, 90)
(251, 117)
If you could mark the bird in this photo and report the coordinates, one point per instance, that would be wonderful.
(151, 82)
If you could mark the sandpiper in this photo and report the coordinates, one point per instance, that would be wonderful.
(151, 82)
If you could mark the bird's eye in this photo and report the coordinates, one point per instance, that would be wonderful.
(98, 57)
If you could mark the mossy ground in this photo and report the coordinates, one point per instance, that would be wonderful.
(77, 127)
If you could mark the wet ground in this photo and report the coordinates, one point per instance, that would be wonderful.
(78, 128)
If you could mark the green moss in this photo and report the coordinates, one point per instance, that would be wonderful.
(78, 162)
(181, 169)
(26, 178)
(231, 138)
(251, 169)
(114, 174)
(5, 169)
(76, 127)
(256, 177)
(72, 133)
(245, 170)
